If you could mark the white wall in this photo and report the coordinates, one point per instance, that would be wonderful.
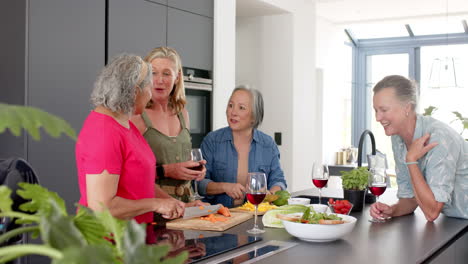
(224, 58)
(334, 60)
(264, 61)
(294, 84)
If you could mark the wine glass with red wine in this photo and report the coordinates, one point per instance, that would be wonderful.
(378, 179)
(320, 177)
(256, 192)
(197, 157)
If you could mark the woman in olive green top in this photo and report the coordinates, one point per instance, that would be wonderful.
(165, 125)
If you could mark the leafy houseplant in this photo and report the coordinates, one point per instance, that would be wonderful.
(459, 118)
(87, 237)
(354, 184)
(16, 117)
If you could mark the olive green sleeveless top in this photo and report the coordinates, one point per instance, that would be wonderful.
(170, 150)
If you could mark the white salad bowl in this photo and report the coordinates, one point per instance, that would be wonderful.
(320, 233)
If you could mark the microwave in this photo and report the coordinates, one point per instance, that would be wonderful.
(198, 92)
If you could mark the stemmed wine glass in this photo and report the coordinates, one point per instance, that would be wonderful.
(377, 185)
(197, 157)
(320, 177)
(256, 192)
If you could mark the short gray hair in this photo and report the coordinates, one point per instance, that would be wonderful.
(406, 90)
(257, 103)
(117, 82)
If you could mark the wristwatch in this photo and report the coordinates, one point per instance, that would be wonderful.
(160, 171)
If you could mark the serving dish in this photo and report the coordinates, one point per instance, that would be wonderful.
(318, 232)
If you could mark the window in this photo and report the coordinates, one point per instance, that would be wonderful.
(428, 59)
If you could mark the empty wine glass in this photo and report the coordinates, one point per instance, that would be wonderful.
(377, 185)
(197, 157)
(319, 177)
(256, 192)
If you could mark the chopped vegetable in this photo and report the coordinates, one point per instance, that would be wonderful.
(213, 218)
(224, 211)
(340, 206)
(263, 207)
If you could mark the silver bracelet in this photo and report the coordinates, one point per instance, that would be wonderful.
(411, 162)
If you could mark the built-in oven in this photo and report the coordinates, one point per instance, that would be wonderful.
(198, 91)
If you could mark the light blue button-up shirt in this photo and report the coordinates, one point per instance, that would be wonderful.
(221, 156)
(445, 167)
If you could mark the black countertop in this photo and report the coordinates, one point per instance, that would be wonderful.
(406, 239)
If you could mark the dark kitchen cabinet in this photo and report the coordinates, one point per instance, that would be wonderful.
(65, 53)
(164, 2)
(136, 26)
(54, 51)
(12, 69)
(201, 7)
(192, 36)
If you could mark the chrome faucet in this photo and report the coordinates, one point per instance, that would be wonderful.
(361, 142)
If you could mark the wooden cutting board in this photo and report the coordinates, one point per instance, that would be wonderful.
(198, 224)
(237, 209)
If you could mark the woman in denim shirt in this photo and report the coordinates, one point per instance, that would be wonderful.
(431, 158)
(233, 151)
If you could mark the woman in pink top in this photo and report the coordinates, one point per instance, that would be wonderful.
(116, 167)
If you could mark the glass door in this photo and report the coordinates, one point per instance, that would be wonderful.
(378, 66)
(373, 66)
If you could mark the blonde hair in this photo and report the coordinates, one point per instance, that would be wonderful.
(177, 97)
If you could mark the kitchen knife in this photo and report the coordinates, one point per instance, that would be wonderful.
(196, 211)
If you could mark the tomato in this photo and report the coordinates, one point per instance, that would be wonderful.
(330, 201)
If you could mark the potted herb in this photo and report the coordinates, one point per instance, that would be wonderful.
(354, 184)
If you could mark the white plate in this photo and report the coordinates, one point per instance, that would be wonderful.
(320, 233)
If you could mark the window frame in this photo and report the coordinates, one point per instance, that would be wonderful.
(361, 98)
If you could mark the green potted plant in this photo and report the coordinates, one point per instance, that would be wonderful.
(354, 184)
(459, 118)
(86, 237)
(16, 117)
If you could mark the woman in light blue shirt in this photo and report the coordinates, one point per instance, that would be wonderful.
(233, 151)
(431, 158)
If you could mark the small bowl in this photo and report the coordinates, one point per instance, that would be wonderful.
(303, 201)
(319, 208)
(332, 209)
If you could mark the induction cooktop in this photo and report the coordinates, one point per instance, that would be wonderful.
(199, 244)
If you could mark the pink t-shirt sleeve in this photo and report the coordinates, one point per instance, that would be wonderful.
(103, 152)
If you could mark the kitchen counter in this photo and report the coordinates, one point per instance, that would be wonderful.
(406, 239)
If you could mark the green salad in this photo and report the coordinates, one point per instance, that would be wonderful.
(312, 217)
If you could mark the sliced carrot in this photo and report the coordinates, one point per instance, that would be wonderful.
(212, 218)
(201, 207)
(224, 211)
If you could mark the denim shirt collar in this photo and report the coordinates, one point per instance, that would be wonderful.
(227, 136)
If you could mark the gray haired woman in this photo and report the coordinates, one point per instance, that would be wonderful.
(233, 151)
(116, 167)
(431, 158)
